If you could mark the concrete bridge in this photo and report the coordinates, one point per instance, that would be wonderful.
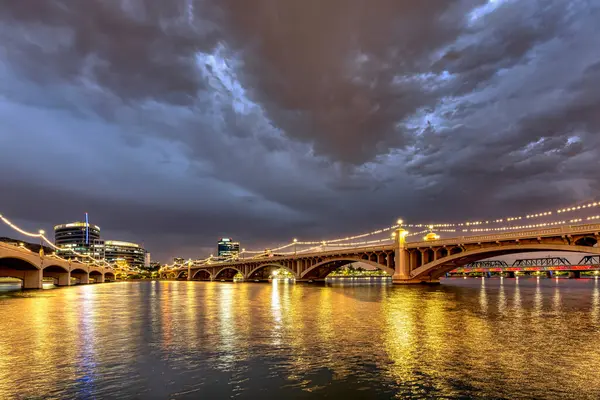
(31, 268)
(408, 262)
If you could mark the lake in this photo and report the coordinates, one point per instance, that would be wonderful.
(494, 338)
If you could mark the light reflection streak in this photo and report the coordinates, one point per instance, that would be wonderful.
(483, 301)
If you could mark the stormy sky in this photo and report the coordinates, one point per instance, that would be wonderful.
(174, 123)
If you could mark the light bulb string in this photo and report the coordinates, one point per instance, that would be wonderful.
(52, 245)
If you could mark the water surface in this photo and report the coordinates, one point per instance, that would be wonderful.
(473, 338)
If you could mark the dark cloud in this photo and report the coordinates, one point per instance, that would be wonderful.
(174, 122)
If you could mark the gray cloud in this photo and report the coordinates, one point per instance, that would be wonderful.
(175, 122)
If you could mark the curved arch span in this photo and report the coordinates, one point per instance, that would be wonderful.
(181, 274)
(263, 266)
(230, 275)
(340, 262)
(195, 274)
(17, 263)
(56, 268)
(439, 267)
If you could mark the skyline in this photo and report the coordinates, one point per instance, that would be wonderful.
(179, 123)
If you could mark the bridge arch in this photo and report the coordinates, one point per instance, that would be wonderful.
(586, 241)
(318, 272)
(109, 276)
(202, 274)
(227, 273)
(261, 268)
(59, 273)
(97, 275)
(181, 274)
(80, 274)
(14, 266)
(435, 269)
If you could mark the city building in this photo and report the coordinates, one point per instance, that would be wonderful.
(77, 236)
(227, 248)
(124, 253)
(147, 260)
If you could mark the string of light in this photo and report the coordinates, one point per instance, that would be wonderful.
(41, 235)
(542, 214)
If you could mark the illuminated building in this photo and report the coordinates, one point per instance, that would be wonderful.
(131, 254)
(227, 248)
(77, 236)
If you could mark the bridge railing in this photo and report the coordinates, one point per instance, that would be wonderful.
(545, 232)
(26, 251)
(340, 252)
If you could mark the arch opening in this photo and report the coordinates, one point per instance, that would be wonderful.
(202, 275)
(182, 274)
(588, 241)
(96, 276)
(438, 268)
(79, 277)
(227, 274)
(29, 274)
(322, 269)
(60, 276)
(270, 271)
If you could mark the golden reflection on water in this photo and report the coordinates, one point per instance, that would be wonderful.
(500, 338)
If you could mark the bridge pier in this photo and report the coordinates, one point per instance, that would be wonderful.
(574, 274)
(62, 278)
(32, 279)
(402, 270)
(84, 278)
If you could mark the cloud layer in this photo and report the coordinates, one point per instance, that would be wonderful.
(174, 123)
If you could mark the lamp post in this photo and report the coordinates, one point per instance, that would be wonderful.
(295, 242)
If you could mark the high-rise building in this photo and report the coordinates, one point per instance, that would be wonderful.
(126, 253)
(227, 248)
(147, 260)
(77, 236)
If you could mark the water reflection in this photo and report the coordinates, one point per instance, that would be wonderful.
(494, 338)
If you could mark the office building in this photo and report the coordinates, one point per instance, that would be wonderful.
(124, 253)
(227, 248)
(76, 236)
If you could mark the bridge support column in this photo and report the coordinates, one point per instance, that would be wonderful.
(402, 270)
(574, 274)
(32, 279)
(99, 278)
(64, 279)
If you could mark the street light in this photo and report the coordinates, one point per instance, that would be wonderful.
(295, 242)
(42, 233)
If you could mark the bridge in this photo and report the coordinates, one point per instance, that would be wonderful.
(408, 262)
(547, 265)
(31, 268)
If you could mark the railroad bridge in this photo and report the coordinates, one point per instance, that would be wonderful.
(408, 262)
(31, 268)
